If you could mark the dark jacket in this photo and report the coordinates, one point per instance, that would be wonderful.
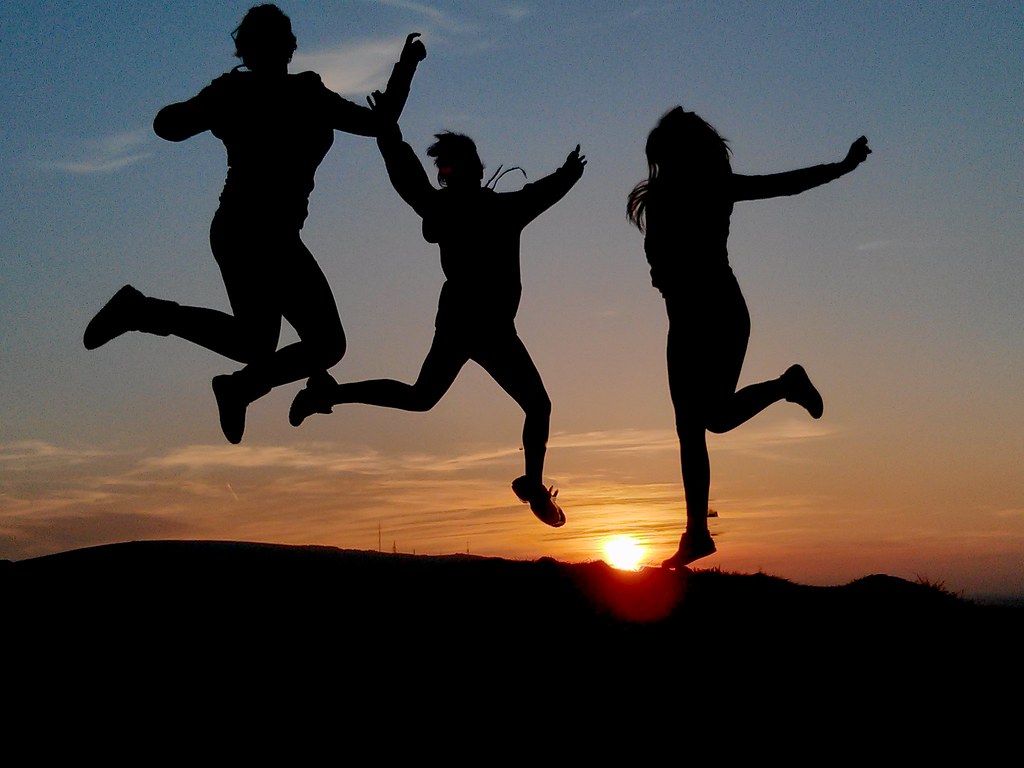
(276, 130)
(477, 231)
(687, 227)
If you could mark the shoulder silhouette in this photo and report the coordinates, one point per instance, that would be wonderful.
(684, 208)
(477, 231)
(276, 128)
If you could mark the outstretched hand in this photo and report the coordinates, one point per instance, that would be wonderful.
(414, 50)
(575, 161)
(858, 153)
(386, 107)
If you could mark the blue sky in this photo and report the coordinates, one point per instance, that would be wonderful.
(898, 287)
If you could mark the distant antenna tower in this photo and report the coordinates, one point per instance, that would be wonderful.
(378, 536)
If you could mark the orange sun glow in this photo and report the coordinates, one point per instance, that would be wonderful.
(624, 553)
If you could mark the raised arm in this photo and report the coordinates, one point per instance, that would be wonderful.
(387, 106)
(795, 182)
(405, 170)
(391, 102)
(537, 197)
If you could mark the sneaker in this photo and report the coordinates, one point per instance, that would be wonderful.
(231, 405)
(541, 500)
(119, 315)
(314, 398)
(801, 391)
(691, 548)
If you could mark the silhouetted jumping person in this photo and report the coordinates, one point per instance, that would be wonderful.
(683, 209)
(276, 128)
(478, 232)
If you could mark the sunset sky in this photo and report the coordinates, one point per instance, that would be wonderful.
(898, 287)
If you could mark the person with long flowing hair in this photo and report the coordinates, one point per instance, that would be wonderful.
(276, 127)
(683, 209)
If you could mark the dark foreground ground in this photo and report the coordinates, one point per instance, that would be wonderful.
(229, 624)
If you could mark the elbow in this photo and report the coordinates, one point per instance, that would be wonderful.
(161, 126)
(388, 134)
(166, 127)
(369, 130)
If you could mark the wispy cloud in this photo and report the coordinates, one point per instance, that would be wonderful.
(329, 458)
(421, 8)
(34, 454)
(322, 458)
(624, 440)
(748, 439)
(262, 457)
(353, 68)
(359, 67)
(106, 154)
(515, 11)
(331, 494)
(435, 17)
(769, 440)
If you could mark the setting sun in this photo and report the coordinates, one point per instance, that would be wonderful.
(624, 553)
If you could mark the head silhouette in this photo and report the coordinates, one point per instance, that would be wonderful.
(264, 40)
(683, 143)
(458, 163)
(684, 150)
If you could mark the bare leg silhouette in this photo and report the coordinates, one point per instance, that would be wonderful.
(269, 275)
(477, 232)
(510, 365)
(276, 129)
(439, 370)
(683, 208)
(262, 292)
(503, 355)
(507, 361)
(703, 371)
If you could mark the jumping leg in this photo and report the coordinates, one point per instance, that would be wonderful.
(507, 360)
(269, 274)
(692, 385)
(220, 332)
(439, 370)
(690, 417)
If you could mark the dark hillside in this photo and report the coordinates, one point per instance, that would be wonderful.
(229, 614)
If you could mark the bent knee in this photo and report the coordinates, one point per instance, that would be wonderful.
(541, 406)
(334, 352)
(717, 426)
(252, 349)
(537, 408)
(328, 352)
(421, 402)
(719, 418)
